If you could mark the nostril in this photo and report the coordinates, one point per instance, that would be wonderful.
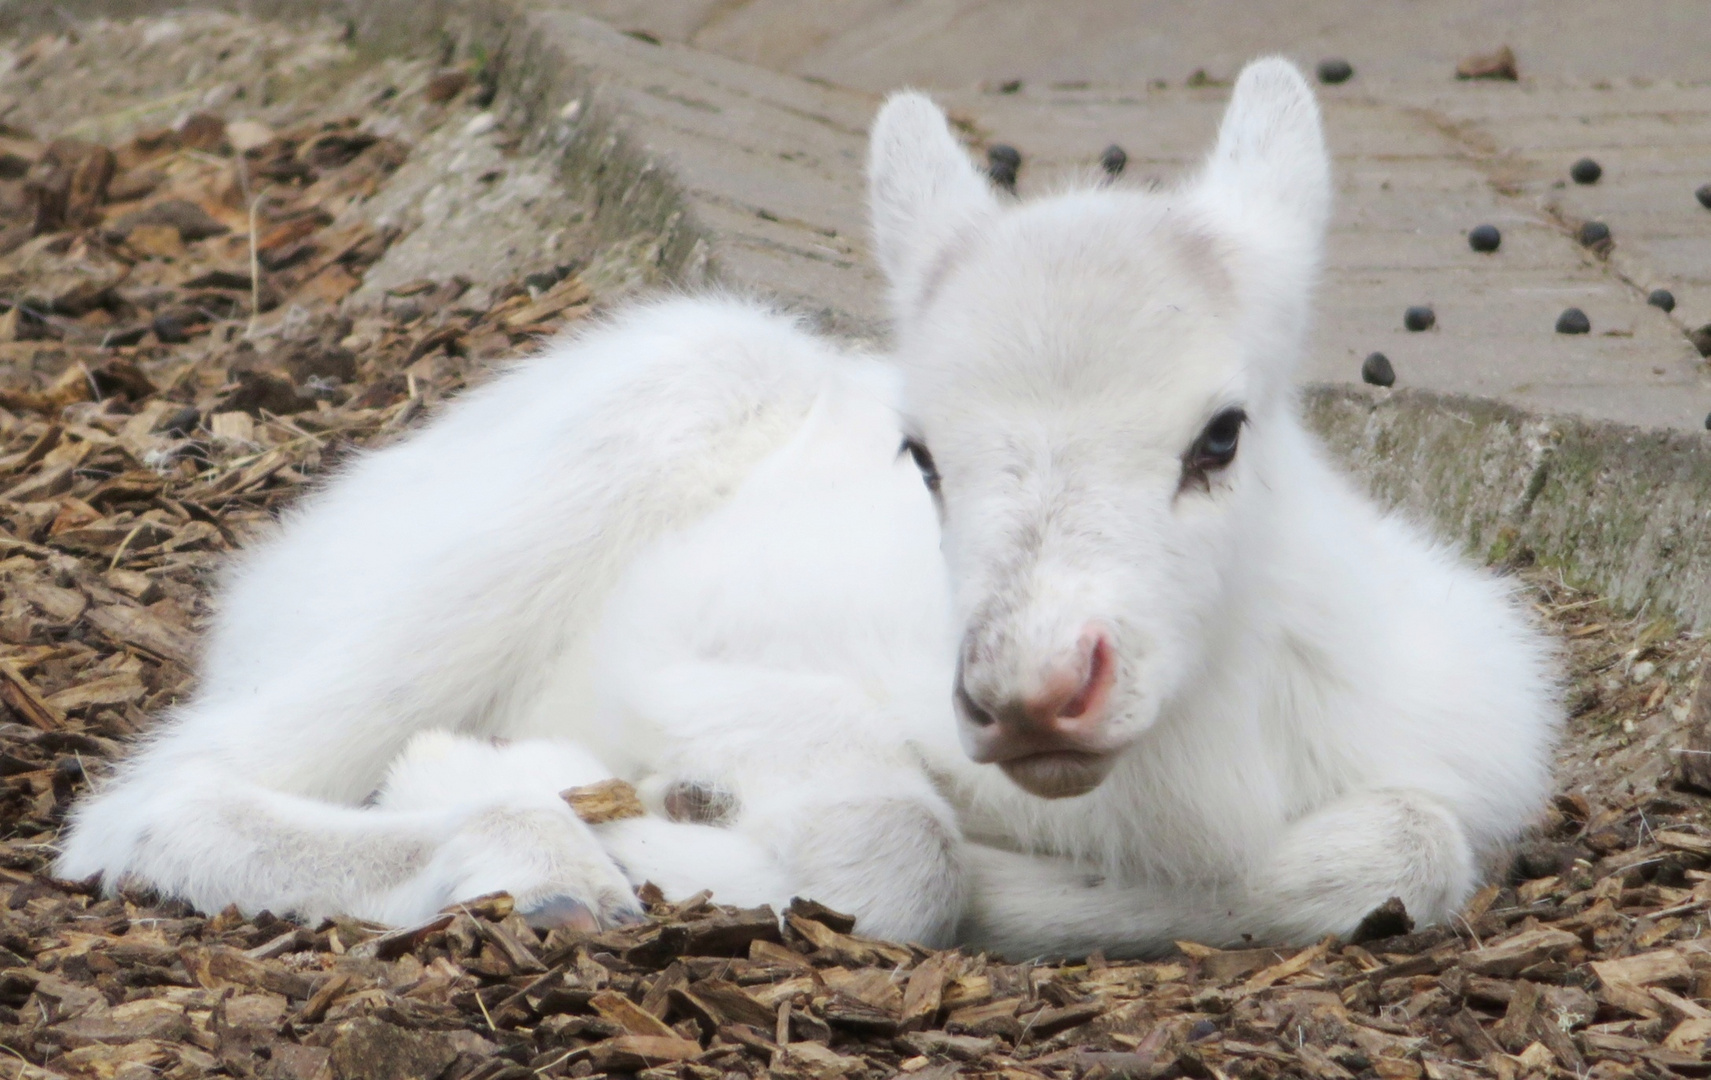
(971, 711)
(1100, 670)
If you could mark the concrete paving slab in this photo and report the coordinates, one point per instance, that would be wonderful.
(879, 44)
(1421, 158)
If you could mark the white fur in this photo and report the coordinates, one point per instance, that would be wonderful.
(684, 548)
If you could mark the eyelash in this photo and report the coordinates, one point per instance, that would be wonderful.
(923, 458)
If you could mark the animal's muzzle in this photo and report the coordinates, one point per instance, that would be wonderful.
(1048, 738)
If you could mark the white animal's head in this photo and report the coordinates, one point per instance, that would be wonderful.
(1092, 379)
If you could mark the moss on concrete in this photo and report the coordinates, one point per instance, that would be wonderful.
(1619, 509)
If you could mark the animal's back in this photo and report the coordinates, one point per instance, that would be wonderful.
(543, 483)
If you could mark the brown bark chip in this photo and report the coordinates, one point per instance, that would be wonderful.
(608, 800)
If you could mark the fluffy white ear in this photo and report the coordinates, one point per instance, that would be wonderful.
(1270, 158)
(1268, 185)
(922, 188)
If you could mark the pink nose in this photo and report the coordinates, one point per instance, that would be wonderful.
(1065, 712)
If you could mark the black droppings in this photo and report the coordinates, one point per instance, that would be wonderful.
(1704, 195)
(1002, 163)
(1661, 298)
(1484, 238)
(1573, 321)
(1376, 369)
(1585, 171)
(1113, 160)
(1701, 339)
(1419, 317)
(1335, 70)
(1593, 233)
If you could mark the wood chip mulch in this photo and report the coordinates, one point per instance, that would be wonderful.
(164, 390)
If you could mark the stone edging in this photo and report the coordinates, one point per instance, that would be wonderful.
(1620, 509)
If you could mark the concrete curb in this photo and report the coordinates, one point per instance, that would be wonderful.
(1618, 509)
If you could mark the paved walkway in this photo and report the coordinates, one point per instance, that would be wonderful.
(774, 158)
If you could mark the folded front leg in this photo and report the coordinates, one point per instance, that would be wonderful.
(1323, 874)
(824, 798)
(1336, 864)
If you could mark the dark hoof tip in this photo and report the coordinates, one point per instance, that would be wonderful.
(626, 917)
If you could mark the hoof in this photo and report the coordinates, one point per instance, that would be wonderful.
(561, 911)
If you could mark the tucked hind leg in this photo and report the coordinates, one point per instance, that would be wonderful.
(894, 863)
(182, 822)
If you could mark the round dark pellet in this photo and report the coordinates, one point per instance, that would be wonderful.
(170, 329)
(1484, 238)
(1661, 298)
(1335, 70)
(1004, 154)
(1202, 1029)
(1113, 160)
(1376, 369)
(1708, 421)
(1585, 171)
(1593, 233)
(1704, 195)
(1573, 321)
(1419, 317)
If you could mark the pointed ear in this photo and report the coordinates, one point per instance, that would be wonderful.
(922, 188)
(1268, 186)
(1270, 160)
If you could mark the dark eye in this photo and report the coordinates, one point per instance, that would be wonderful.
(923, 457)
(1216, 446)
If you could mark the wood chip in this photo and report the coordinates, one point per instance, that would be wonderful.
(608, 800)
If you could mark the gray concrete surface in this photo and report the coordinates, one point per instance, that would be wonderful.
(875, 45)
